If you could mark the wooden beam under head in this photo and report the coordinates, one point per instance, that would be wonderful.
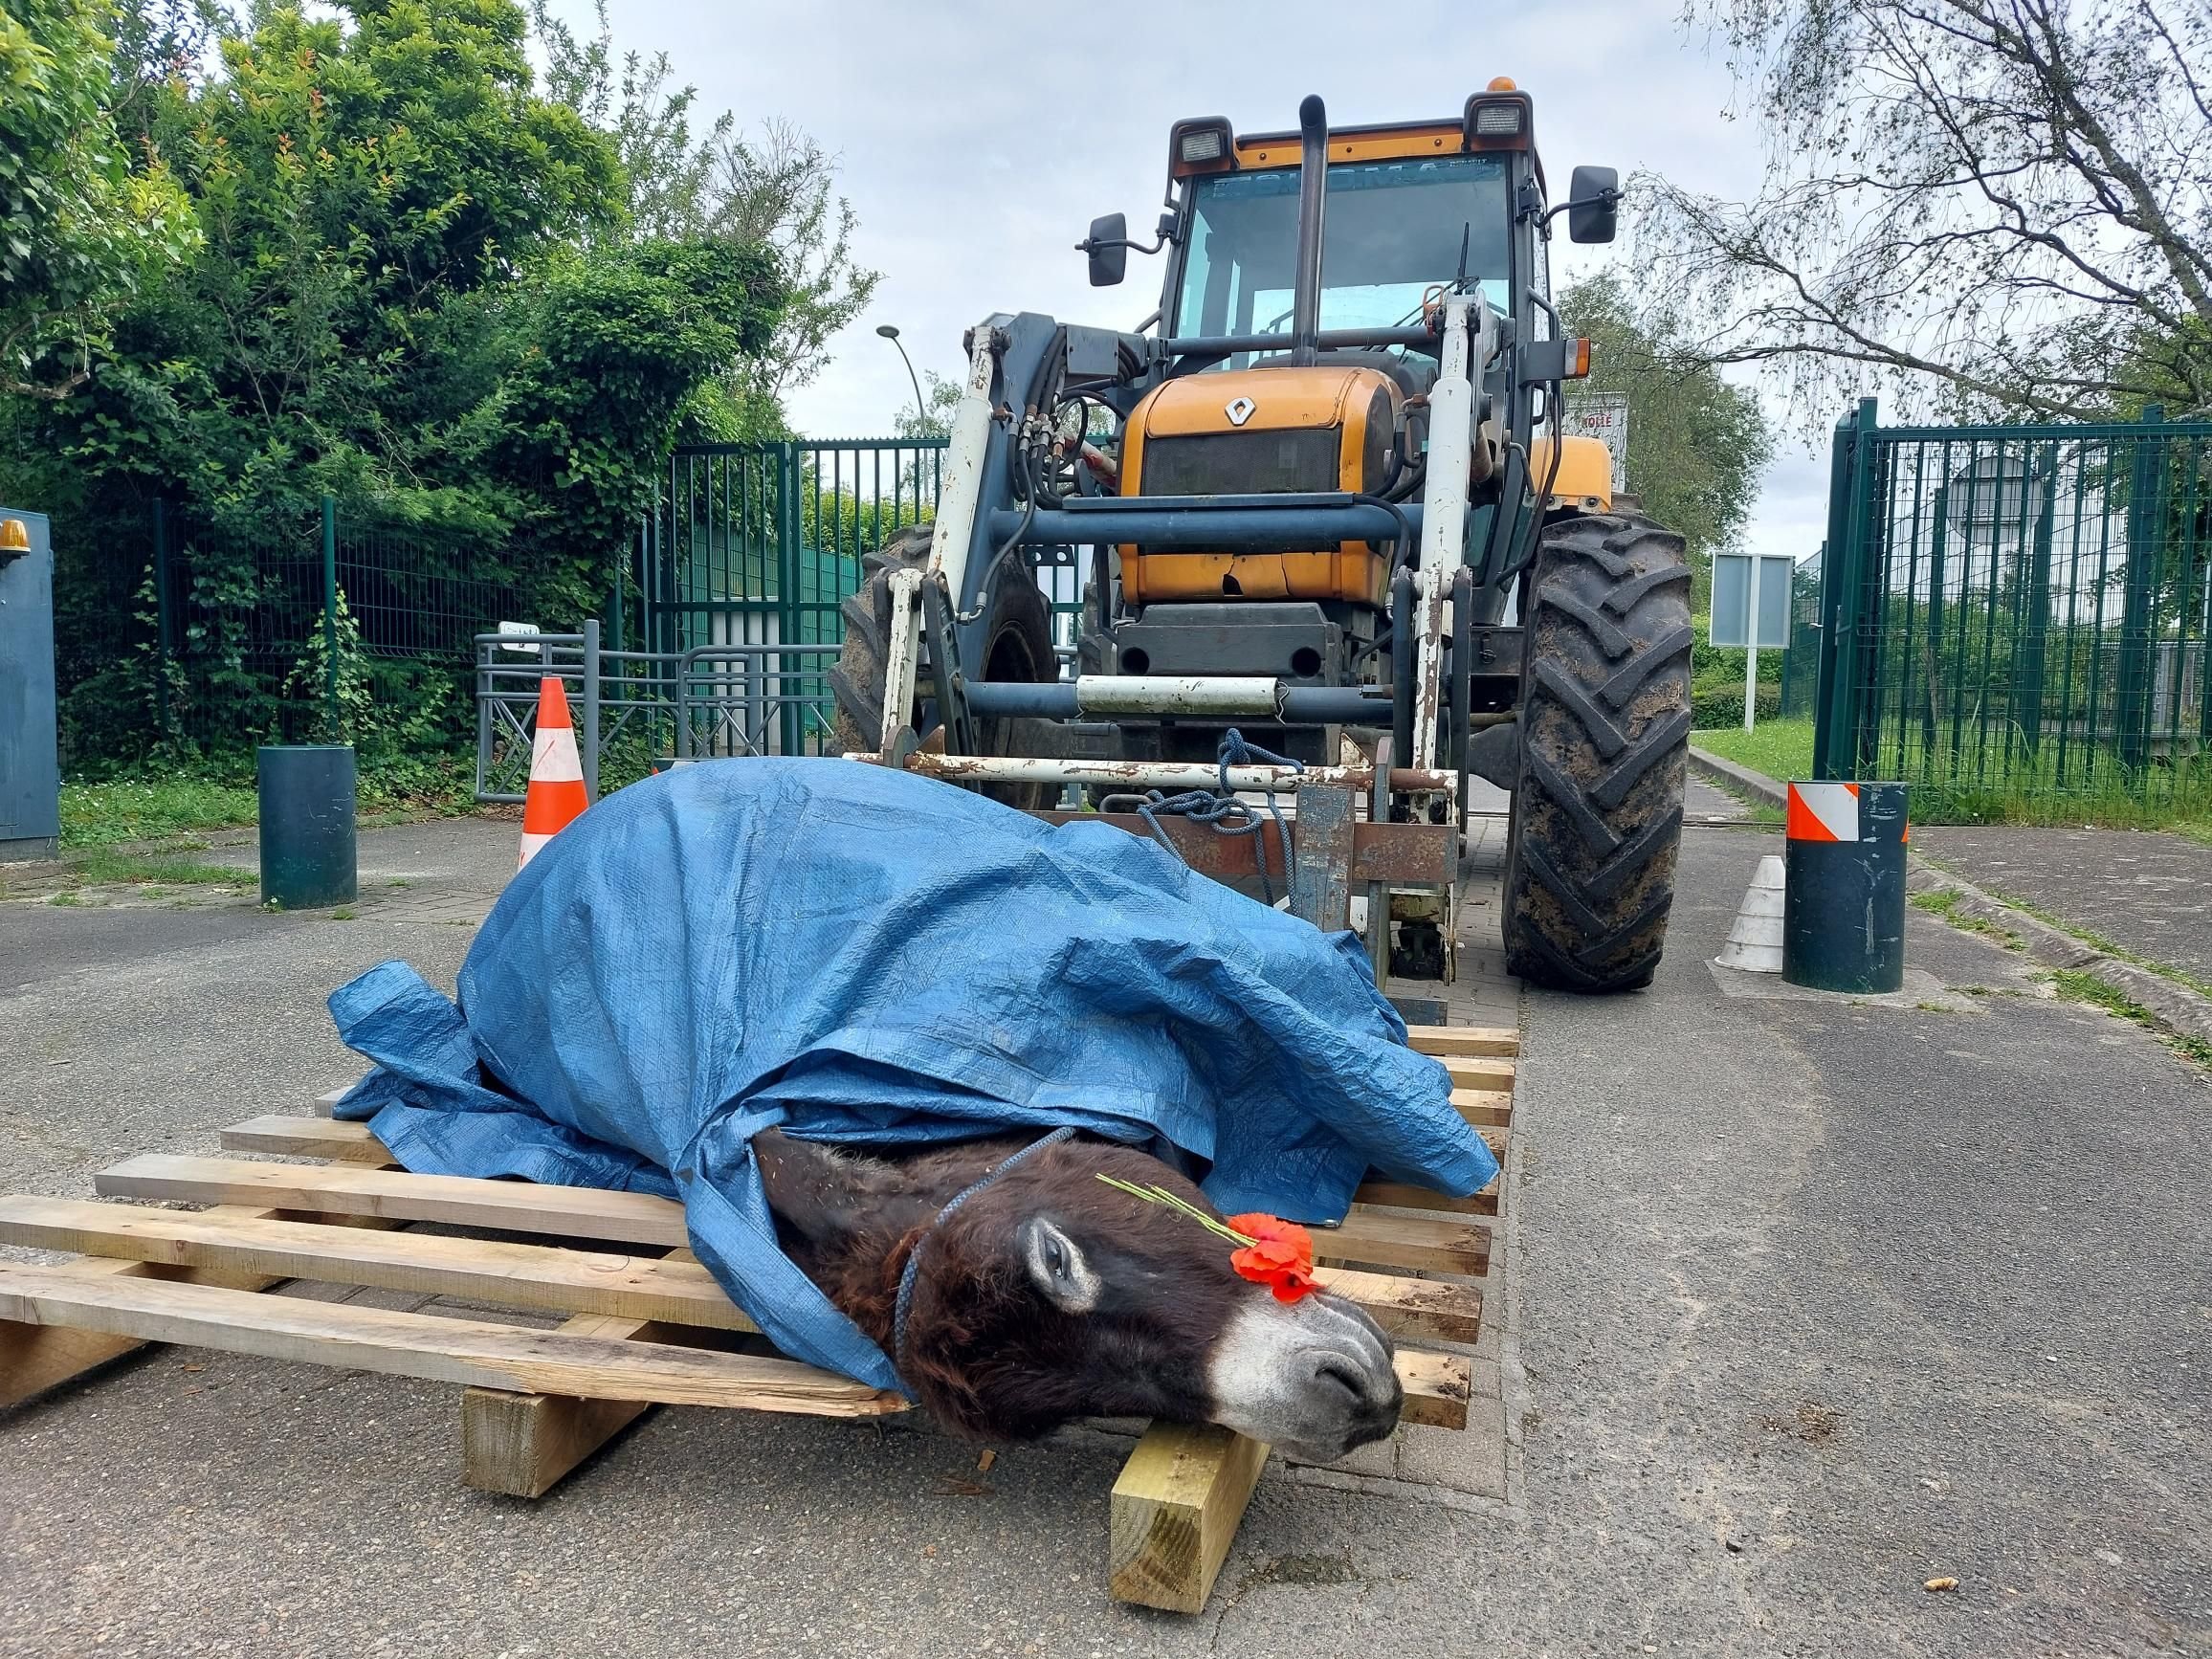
(1175, 1511)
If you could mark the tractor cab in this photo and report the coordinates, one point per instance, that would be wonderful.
(1256, 396)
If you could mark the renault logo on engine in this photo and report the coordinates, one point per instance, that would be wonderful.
(1239, 411)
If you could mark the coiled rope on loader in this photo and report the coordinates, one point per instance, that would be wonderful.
(1220, 809)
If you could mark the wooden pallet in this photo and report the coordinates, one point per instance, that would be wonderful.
(643, 1322)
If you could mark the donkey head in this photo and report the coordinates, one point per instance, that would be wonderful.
(1049, 1295)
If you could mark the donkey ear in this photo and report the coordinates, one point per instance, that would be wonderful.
(1057, 1267)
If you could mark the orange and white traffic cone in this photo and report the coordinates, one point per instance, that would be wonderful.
(556, 795)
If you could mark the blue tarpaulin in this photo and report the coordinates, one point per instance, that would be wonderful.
(859, 955)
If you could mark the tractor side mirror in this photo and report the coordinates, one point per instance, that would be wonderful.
(1108, 245)
(1593, 204)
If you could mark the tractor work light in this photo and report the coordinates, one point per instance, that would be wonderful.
(1497, 119)
(1205, 146)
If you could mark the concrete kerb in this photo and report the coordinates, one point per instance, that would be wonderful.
(2185, 1010)
(1741, 779)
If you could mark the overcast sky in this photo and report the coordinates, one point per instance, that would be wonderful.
(976, 142)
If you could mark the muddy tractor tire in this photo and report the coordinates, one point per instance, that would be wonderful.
(1018, 646)
(1605, 746)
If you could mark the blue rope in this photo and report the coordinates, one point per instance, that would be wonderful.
(906, 1275)
(1221, 811)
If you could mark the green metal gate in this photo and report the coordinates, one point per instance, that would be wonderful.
(755, 545)
(2018, 609)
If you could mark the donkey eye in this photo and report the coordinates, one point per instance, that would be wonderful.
(1055, 1258)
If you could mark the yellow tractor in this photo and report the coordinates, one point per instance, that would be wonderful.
(1334, 538)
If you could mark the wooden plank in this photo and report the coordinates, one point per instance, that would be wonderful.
(1476, 1071)
(394, 1195)
(1321, 857)
(35, 1358)
(1397, 1195)
(524, 1445)
(1441, 1041)
(444, 1350)
(626, 1217)
(1175, 1511)
(1488, 1108)
(1482, 1071)
(1438, 1310)
(1436, 1387)
(310, 1137)
(1406, 1241)
(548, 1278)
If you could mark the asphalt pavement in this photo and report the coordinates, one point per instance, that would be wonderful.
(1815, 1301)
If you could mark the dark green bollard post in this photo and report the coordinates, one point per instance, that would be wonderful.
(307, 833)
(1843, 908)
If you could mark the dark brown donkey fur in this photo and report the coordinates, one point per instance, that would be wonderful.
(1049, 1295)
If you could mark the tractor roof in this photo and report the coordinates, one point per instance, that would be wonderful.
(1500, 118)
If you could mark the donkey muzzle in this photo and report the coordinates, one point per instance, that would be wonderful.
(1313, 1378)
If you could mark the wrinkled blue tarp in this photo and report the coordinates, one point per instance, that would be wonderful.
(860, 955)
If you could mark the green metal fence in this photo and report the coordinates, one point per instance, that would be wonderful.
(2021, 609)
(197, 639)
(1801, 662)
(755, 545)
(190, 638)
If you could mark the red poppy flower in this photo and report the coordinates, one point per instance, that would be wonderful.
(1280, 1255)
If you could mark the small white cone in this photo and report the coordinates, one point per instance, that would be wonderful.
(1754, 942)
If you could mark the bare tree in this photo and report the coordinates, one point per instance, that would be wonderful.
(1984, 205)
(776, 188)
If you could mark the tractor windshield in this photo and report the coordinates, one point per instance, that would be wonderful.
(1392, 230)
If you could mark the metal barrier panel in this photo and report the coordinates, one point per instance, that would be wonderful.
(1801, 662)
(2021, 609)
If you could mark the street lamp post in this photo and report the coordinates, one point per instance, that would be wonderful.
(890, 332)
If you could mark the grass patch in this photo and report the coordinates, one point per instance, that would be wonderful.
(2096, 942)
(149, 808)
(2082, 988)
(1781, 749)
(165, 805)
(1784, 749)
(1943, 901)
(106, 865)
